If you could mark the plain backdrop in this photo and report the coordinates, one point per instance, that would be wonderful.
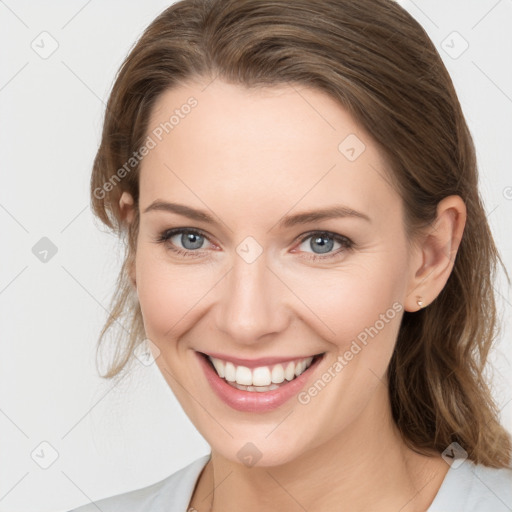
(67, 436)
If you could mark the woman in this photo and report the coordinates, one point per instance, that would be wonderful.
(308, 259)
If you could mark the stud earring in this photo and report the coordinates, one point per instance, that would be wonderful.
(419, 302)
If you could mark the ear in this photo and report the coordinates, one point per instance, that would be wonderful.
(126, 208)
(434, 253)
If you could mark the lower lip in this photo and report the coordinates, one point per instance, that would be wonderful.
(254, 401)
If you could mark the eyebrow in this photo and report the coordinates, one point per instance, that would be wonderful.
(331, 212)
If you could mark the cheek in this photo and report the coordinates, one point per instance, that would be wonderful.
(360, 302)
(169, 294)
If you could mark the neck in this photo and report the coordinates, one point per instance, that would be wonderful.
(365, 467)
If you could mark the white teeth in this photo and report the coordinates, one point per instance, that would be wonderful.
(263, 378)
(302, 365)
(259, 389)
(219, 366)
(230, 371)
(289, 372)
(243, 376)
(278, 374)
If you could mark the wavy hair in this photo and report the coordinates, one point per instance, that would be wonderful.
(373, 58)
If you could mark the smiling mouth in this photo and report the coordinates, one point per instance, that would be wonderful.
(262, 378)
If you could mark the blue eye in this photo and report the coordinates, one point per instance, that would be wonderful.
(322, 243)
(190, 243)
(190, 240)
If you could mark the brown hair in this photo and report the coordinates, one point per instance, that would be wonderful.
(378, 63)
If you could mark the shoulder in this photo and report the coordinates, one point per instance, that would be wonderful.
(470, 487)
(169, 495)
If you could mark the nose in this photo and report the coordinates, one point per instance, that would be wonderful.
(252, 303)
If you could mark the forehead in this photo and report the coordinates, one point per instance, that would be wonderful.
(271, 147)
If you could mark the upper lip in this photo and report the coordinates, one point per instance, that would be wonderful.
(255, 363)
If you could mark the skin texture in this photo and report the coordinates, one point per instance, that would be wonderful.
(249, 158)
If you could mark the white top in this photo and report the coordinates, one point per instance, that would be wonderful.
(465, 488)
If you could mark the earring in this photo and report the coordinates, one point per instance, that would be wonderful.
(419, 302)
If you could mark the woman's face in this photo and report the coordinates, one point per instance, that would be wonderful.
(294, 248)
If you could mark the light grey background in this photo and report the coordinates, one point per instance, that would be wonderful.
(105, 439)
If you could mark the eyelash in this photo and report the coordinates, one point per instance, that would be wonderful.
(164, 237)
